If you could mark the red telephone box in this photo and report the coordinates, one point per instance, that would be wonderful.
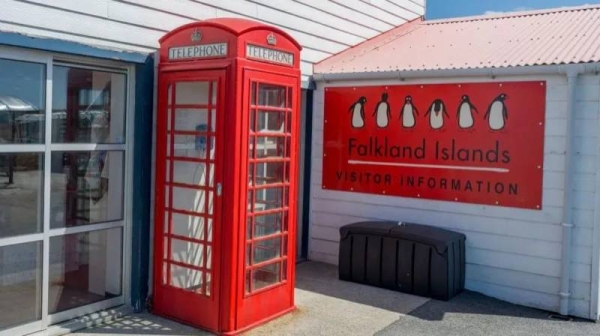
(226, 167)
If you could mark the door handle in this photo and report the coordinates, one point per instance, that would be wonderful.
(219, 189)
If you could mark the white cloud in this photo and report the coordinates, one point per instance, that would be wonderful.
(516, 9)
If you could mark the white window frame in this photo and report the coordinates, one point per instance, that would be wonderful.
(50, 59)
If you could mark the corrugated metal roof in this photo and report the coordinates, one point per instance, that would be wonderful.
(549, 37)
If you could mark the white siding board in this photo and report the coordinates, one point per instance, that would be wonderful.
(372, 11)
(30, 31)
(408, 5)
(319, 17)
(88, 26)
(91, 7)
(347, 14)
(512, 254)
(392, 8)
(145, 17)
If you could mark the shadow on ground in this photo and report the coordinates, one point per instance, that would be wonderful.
(328, 306)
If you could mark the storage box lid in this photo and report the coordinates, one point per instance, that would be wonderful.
(368, 227)
(428, 235)
(424, 234)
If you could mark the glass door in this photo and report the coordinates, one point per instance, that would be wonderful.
(270, 230)
(62, 176)
(188, 170)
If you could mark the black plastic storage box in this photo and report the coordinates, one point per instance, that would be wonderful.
(410, 258)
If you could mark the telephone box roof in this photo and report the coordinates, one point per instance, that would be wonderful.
(235, 26)
(547, 37)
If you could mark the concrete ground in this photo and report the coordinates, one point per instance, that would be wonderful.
(327, 306)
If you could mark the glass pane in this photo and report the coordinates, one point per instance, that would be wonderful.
(271, 95)
(187, 252)
(191, 93)
(267, 173)
(193, 173)
(270, 147)
(189, 199)
(265, 276)
(270, 121)
(22, 102)
(193, 120)
(20, 284)
(186, 278)
(88, 106)
(192, 146)
(84, 268)
(268, 198)
(265, 225)
(86, 188)
(21, 196)
(265, 250)
(215, 89)
(188, 226)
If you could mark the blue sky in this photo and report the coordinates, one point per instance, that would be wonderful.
(439, 9)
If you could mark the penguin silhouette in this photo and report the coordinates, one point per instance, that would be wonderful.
(436, 113)
(408, 113)
(497, 113)
(358, 112)
(382, 111)
(465, 112)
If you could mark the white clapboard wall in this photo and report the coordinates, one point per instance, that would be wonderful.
(322, 27)
(512, 254)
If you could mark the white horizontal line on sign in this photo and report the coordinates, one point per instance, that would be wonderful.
(418, 165)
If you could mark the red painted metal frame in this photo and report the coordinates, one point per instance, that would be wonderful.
(168, 300)
(233, 312)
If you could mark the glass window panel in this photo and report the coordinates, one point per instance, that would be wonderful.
(21, 193)
(84, 268)
(188, 226)
(20, 284)
(253, 93)
(187, 252)
(191, 93)
(267, 173)
(208, 256)
(168, 119)
(189, 199)
(271, 95)
(86, 188)
(22, 102)
(265, 225)
(270, 147)
(266, 250)
(270, 121)
(248, 253)
(215, 89)
(208, 283)
(249, 228)
(289, 123)
(266, 276)
(167, 223)
(193, 173)
(209, 230)
(268, 198)
(289, 98)
(165, 265)
(192, 146)
(247, 282)
(88, 106)
(193, 119)
(186, 278)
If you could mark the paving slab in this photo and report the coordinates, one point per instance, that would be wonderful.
(328, 306)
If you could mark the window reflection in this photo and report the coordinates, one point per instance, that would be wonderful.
(84, 268)
(20, 284)
(22, 102)
(86, 188)
(21, 185)
(88, 106)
